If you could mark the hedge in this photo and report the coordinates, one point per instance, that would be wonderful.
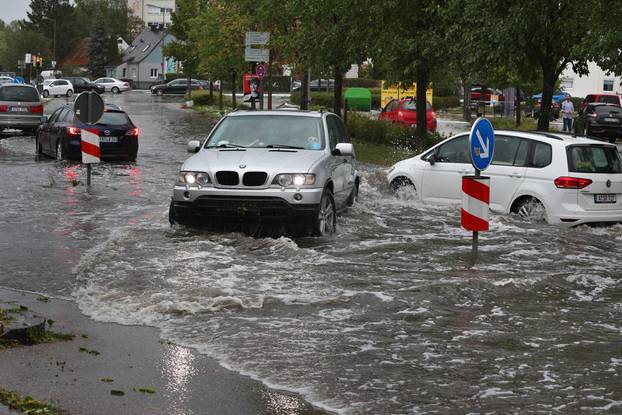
(441, 103)
(326, 99)
(362, 128)
(361, 82)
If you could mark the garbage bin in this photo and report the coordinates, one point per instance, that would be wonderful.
(358, 99)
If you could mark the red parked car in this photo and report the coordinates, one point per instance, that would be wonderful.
(604, 98)
(476, 94)
(404, 111)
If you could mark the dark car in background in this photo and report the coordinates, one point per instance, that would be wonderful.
(81, 84)
(60, 135)
(316, 85)
(177, 86)
(20, 108)
(602, 98)
(599, 120)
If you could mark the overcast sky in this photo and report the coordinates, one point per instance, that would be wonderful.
(13, 9)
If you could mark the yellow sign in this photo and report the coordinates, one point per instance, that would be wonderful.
(389, 92)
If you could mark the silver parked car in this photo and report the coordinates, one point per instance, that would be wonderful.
(291, 168)
(20, 108)
(113, 85)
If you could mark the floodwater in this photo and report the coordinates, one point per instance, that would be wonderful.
(386, 317)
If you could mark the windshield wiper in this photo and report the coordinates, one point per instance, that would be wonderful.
(284, 146)
(227, 145)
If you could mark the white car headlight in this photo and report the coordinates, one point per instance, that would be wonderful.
(193, 178)
(294, 179)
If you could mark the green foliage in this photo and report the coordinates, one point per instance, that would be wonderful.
(27, 404)
(362, 83)
(441, 103)
(326, 99)
(97, 51)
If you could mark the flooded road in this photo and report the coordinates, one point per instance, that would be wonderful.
(386, 317)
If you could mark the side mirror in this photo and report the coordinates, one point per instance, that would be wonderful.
(344, 149)
(44, 119)
(432, 159)
(193, 146)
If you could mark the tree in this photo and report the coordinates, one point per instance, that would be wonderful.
(412, 46)
(98, 51)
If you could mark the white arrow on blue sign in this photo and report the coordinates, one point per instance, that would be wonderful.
(482, 143)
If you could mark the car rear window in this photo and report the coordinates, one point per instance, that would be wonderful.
(606, 109)
(412, 105)
(609, 99)
(18, 93)
(114, 118)
(593, 159)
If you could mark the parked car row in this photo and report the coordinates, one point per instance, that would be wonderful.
(177, 86)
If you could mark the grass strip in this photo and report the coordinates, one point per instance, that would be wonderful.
(27, 404)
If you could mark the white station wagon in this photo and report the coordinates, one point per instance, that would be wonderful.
(553, 176)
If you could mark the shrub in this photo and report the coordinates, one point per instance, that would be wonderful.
(361, 82)
(325, 99)
(362, 128)
(441, 103)
(201, 98)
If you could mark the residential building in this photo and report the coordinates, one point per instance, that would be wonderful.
(596, 82)
(152, 12)
(144, 62)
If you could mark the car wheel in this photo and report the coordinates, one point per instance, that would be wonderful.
(530, 208)
(402, 187)
(114, 90)
(159, 92)
(69, 92)
(326, 220)
(354, 195)
(46, 93)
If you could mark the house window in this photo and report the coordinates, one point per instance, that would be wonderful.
(124, 73)
(133, 72)
(154, 72)
(568, 83)
(608, 85)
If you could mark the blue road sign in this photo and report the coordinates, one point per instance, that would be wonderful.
(482, 143)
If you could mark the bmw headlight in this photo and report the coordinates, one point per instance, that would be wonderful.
(193, 178)
(294, 179)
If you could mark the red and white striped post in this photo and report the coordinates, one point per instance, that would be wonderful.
(89, 144)
(475, 204)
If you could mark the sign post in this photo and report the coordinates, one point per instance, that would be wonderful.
(476, 189)
(89, 108)
(255, 55)
(260, 71)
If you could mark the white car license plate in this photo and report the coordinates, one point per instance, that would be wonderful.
(108, 139)
(605, 198)
(610, 119)
(19, 109)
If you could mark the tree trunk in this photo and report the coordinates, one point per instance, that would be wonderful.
(466, 101)
(517, 107)
(304, 96)
(234, 104)
(220, 98)
(547, 98)
(189, 88)
(337, 104)
(211, 92)
(422, 113)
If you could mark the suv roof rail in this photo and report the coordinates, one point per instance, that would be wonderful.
(551, 135)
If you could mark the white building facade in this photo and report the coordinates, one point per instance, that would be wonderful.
(596, 82)
(152, 12)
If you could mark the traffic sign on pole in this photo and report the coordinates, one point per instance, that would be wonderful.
(482, 144)
(260, 71)
(89, 108)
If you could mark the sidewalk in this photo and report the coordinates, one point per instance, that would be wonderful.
(128, 358)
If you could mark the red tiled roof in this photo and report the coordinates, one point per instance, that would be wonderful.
(78, 56)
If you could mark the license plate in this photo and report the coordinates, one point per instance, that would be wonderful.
(605, 198)
(19, 109)
(108, 139)
(610, 119)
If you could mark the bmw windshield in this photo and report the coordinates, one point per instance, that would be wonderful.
(269, 131)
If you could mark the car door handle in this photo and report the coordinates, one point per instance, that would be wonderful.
(516, 175)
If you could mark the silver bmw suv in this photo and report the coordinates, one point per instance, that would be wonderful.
(289, 168)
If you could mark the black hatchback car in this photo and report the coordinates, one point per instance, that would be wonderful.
(600, 120)
(176, 86)
(81, 84)
(60, 135)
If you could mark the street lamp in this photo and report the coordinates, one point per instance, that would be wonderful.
(54, 44)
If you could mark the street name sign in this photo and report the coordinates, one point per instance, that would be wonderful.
(482, 143)
(257, 38)
(256, 55)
